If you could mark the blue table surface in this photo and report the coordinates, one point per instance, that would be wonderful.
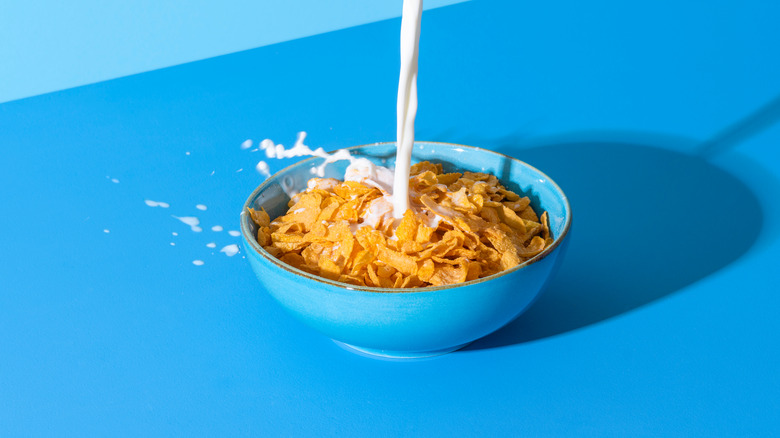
(660, 120)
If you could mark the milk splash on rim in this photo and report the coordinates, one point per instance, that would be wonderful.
(393, 184)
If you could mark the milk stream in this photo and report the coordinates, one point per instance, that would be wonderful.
(406, 108)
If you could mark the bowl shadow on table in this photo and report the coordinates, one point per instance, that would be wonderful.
(648, 221)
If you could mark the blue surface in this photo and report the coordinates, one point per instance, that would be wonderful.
(663, 320)
(47, 45)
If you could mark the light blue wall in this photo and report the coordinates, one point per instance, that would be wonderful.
(47, 46)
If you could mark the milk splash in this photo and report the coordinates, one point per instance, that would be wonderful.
(395, 185)
(298, 150)
(380, 210)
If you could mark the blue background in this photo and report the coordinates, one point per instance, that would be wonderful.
(47, 46)
(659, 120)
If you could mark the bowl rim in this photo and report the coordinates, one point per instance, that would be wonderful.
(252, 241)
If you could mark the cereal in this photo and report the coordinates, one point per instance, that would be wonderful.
(461, 227)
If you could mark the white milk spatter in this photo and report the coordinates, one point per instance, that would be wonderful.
(151, 203)
(192, 221)
(299, 150)
(230, 250)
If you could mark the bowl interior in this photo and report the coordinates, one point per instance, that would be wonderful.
(514, 174)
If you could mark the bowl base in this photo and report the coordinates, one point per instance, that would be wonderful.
(396, 355)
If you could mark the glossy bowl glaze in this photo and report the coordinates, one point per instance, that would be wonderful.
(410, 323)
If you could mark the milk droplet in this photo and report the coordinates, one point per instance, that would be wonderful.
(175, 233)
(197, 262)
(201, 207)
(217, 228)
(230, 250)
(114, 180)
(263, 169)
(265, 144)
(234, 233)
(211, 245)
(192, 221)
(151, 203)
(246, 144)
(106, 231)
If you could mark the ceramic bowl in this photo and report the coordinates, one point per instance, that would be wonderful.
(410, 323)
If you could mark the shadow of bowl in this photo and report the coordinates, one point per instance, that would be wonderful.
(650, 221)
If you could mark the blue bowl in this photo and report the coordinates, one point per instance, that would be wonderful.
(410, 323)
